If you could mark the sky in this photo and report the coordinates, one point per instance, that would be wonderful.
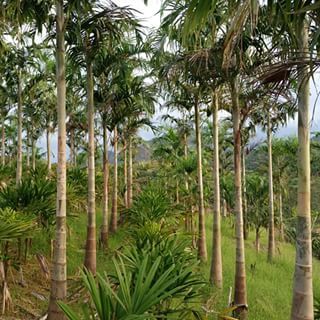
(151, 19)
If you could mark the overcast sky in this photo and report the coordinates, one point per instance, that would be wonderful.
(151, 19)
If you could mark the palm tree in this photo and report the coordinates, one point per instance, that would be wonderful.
(58, 290)
(216, 262)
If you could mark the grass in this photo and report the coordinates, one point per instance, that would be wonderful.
(269, 286)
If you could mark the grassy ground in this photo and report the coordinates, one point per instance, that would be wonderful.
(269, 285)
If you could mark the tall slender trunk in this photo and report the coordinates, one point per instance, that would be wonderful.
(125, 173)
(33, 153)
(49, 150)
(240, 290)
(59, 264)
(28, 149)
(216, 262)
(302, 302)
(114, 213)
(72, 151)
(130, 172)
(19, 133)
(257, 242)
(244, 206)
(281, 216)
(202, 245)
(177, 192)
(90, 261)
(105, 203)
(3, 143)
(271, 241)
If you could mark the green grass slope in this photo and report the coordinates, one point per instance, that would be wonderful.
(269, 286)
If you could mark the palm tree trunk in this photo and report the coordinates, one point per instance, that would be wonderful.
(59, 265)
(3, 143)
(19, 147)
(91, 250)
(105, 204)
(202, 245)
(240, 291)
(271, 241)
(28, 149)
(281, 217)
(114, 213)
(302, 302)
(216, 262)
(49, 150)
(72, 151)
(125, 174)
(245, 218)
(130, 172)
(257, 242)
(33, 153)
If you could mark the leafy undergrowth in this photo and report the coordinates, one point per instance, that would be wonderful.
(269, 285)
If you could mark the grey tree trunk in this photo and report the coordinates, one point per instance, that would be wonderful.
(271, 241)
(49, 150)
(28, 149)
(240, 290)
(105, 204)
(19, 133)
(58, 290)
(114, 213)
(3, 143)
(125, 174)
(302, 301)
(33, 153)
(257, 242)
(216, 262)
(72, 148)
(130, 172)
(202, 245)
(245, 215)
(281, 217)
(90, 261)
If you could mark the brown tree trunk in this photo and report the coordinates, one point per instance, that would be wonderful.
(202, 244)
(240, 291)
(302, 302)
(216, 262)
(58, 290)
(105, 203)
(114, 213)
(90, 261)
(271, 241)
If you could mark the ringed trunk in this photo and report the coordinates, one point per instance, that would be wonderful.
(3, 143)
(302, 301)
(125, 174)
(130, 172)
(271, 241)
(114, 214)
(91, 250)
(105, 204)
(19, 146)
(49, 150)
(240, 291)
(216, 262)
(245, 214)
(58, 290)
(202, 246)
